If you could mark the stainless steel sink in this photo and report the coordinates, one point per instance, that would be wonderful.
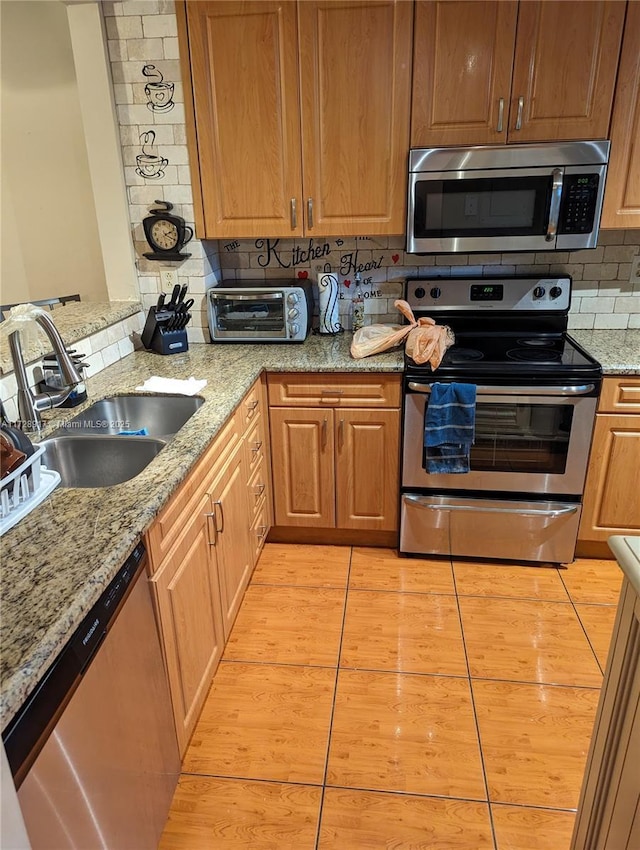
(99, 461)
(161, 416)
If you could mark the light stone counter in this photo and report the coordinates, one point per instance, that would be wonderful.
(57, 561)
(618, 351)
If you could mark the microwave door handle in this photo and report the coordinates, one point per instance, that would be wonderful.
(554, 209)
(580, 389)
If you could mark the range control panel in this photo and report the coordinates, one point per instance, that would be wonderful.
(503, 294)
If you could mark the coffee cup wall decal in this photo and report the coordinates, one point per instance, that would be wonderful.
(159, 94)
(149, 164)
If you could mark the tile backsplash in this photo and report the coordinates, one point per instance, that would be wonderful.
(143, 49)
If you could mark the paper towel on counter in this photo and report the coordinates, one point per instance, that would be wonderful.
(156, 384)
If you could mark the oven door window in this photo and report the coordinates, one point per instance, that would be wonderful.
(487, 206)
(238, 314)
(521, 438)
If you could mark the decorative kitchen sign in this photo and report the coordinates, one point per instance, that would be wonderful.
(150, 165)
(159, 94)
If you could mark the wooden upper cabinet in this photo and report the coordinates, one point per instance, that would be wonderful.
(297, 115)
(622, 194)
(244, 127)
(355, 73)
(496, 72)
(565, 66)
(463, 56)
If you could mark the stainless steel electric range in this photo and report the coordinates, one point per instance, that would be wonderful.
(536, 397)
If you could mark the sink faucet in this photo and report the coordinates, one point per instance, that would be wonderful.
(30, 404)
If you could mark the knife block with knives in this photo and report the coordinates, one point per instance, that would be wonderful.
(165, 328)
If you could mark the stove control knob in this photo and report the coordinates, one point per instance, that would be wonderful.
(555, 291)
(435, 292)
(293, 298)
(419, 293)
(539, 292)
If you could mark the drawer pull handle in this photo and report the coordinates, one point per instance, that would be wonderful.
(520, 109)
(220, 528)
(258, 490)
(256, 446)
(212, 516)
(261, 530)
(251, 405)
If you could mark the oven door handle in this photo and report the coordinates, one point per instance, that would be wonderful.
(255, 296)
(423, 503)
(580, 389)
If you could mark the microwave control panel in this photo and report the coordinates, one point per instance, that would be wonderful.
(579, 203)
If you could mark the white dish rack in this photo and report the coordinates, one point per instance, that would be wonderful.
(24, 489)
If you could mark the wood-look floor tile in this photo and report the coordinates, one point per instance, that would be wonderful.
(408, 632)
(521, 828)
(296, 564)
(288, 625)
(403, 732)
(230, 814)
(363, 820)
(527, 640)
(598, 623)
(384, 569)
(477, 578)
(535, 740)
(263, 721)
(593, 580)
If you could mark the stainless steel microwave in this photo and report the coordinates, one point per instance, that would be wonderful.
(277, 311)
(537, 197)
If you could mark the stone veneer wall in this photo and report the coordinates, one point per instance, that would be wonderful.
(144, 32)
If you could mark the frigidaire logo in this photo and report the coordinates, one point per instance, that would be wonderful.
(88, 635)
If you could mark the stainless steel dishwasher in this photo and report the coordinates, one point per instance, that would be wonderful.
(93, 750)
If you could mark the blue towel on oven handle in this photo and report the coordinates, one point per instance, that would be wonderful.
(449, 427)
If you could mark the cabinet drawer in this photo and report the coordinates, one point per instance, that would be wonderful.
(257, 488)
(255, 445)
(172, 518)
(259, 531)
(251, 406)
(333, 390)
(620, 395)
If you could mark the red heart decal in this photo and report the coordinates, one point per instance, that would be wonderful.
(347, 283)
(395, 258)
(303, 275)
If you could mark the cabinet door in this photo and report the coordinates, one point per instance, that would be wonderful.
(622, 194)
(302, 463)
(188, 603)
(565, 68)
(463, 55)
(355, 72)
(611, 503)
(244, 78)
(367, 469)
(232, 520)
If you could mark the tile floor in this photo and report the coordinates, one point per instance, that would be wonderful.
(370, 701)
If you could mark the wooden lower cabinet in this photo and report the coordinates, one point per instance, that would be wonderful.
(611, 503)
(188, 604)
(335, 468)
(231, 526)
(202, 549)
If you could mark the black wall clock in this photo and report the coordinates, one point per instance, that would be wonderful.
(166, 233)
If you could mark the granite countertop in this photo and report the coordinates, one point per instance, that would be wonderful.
(74, 321)
(618, 351)
(57, 561)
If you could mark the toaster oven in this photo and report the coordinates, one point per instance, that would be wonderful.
(277, 311)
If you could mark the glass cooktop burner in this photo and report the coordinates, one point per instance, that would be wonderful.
(463, 355)
(534, 355)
